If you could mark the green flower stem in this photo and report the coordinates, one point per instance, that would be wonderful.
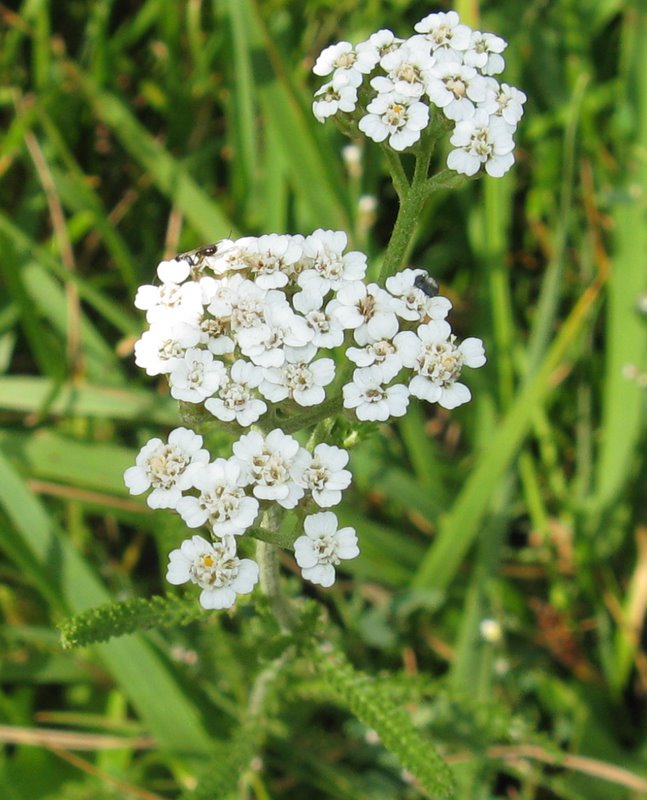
(398, 175)
(275, 538)
(298, 422)
(411, 204)
(267, 556)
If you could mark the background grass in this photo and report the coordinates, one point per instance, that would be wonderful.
(137, 130)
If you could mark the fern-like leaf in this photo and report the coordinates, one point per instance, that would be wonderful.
(220, 776)
(116, 619)
(366, 699)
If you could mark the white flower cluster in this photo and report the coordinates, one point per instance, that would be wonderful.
(238, 329)
(392, 82)
(225, 496)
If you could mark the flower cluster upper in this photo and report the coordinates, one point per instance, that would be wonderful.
(255, 323)
(390, 84)
(246, 328)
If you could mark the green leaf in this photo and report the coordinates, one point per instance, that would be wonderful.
(372, 705)
(32, 395)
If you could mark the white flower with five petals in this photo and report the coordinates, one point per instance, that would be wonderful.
(167, 467)
(382, 353)
(484, 53)
(300, 379)
(482, 140)
(327, 266)
(393, 116)
(325, 477)
(503, 101)
(372, 401)
(162, 347)
(345, 62)
(416, 304)
(323, 546)
(336, 95)
(369, 311)
(172, 299)
(379, 44)
(235, 399)
(272, 464)
(448, 38)
(270, 258)
(327, 332)
(222, 504)
(264, 343)
(196, 376)
(456, 88)
(215, 568)
(437, 360)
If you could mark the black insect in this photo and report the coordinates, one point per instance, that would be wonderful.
(426, 284)
(196, 257)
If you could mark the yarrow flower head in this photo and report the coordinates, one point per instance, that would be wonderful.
(444, 69)
(271, 326)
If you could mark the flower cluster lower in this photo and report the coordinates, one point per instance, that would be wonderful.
(392, 87)
(260, 328)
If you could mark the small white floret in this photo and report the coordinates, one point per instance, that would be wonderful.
(446, 35)
(437, 361)
(271, 465)
(215, 568)
(484, 53)
(416, 304)
(167, 468)
(197, 376)
(222, 504)
(369, 311)
(372, 401)
(396, 117)
(332, 97)
(300, 379)
(323, 546)
(326, 265)
(482, 140)
(325, 477)
(162, 347)
(236, 398)
(456, 88)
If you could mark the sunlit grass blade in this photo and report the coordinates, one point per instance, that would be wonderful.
(626, 346)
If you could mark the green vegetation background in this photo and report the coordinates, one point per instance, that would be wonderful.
(134, 130)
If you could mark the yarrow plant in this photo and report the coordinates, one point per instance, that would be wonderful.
(273, 338)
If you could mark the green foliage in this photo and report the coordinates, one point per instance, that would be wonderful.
(373, 705)
(116, 619)
(222, 773)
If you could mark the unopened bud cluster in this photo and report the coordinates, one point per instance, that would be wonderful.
(260, 329)
(392, 88)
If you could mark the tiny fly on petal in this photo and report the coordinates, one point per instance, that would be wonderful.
(426, 284)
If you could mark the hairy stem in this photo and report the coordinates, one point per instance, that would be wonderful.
(268, 561)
